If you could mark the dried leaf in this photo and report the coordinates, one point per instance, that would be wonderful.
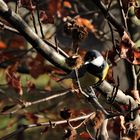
(36, 66)
(137, 12)
(109, 76)
(28, 4)
(2, 45)
(55, 8)
(85, 135)
(127, 50)
(67, 4)
(30, 86)
(97, 119)
(134, 134)
(46, 18)
(75, 61)
(31, 117)
(86, 23)
(13, 79)
(17, 42)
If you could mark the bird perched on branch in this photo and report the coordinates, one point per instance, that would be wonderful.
(92, 72)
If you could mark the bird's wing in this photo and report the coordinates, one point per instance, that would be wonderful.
(81, 72)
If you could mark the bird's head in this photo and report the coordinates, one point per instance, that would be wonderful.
(94, 57)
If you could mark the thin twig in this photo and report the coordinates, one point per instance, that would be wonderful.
(103, 130)
(109, 5)
(58, 48)
(34, 22)
(5, 27)
(91, 137)
(123, 14)
(12, 59)
(138, 73)
(134, 78)
(114, 92)
(40, 25)
(112, 35)
(94, 100)
(56, 44)
(55, 123)
(18, 3)
(28, 104)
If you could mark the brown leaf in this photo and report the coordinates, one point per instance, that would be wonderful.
(86, 23)
(134, 134)
(36, 66)
(67, 4)
(17, 42)
(109, 76)
(137, 12)
(13, 79)
(28, 4)
(97, 119)
(46, 18)
(75, 61)
(30, 86)
(55, 7)
(127, 51)
(2, 45)
(85, 135)
(31, 117)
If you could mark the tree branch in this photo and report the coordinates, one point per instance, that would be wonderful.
(41, 47)
(58, 60)
(120, 28)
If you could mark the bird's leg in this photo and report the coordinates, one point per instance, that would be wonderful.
(90, 95)
(94, 100)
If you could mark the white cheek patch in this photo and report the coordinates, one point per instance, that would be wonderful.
(98, 61)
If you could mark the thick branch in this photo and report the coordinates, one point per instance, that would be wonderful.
(45, 50)
(107, 89)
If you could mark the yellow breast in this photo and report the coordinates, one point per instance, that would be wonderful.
(87, 80)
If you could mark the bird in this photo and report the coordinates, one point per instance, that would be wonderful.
(92, 72)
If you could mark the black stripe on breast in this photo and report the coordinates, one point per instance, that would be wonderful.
(95, 70)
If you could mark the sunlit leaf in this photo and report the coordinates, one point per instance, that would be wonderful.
(2, 45)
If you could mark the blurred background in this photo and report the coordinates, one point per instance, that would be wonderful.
(25, 76)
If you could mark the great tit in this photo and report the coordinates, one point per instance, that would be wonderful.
(92, 72)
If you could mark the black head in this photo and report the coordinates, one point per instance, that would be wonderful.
(91, 55)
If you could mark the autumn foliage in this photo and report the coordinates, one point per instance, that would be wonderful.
(32, 92)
